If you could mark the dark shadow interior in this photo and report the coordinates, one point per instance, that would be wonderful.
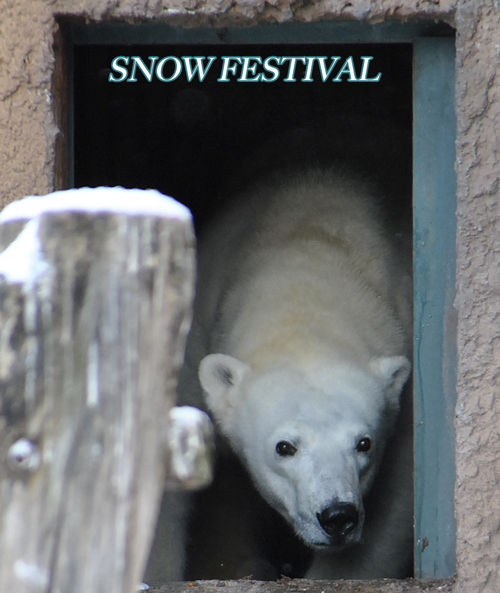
(195, 141)
(187, 139)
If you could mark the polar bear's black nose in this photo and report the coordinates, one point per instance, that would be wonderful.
(338, 521)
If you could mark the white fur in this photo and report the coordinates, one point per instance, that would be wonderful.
(302, 301)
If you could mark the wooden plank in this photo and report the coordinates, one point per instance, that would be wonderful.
(92, 337)
(435, 321)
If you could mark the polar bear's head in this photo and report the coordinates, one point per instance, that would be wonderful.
(311, 440)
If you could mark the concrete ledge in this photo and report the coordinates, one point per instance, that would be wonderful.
(310, 586)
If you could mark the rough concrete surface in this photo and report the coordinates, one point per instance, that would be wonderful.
(26, 121)
(478, 277)
(27, 157)
(303, 586)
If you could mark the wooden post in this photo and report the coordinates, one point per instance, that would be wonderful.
(95, 299)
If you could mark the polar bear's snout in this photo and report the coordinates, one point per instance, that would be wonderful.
(338, 521)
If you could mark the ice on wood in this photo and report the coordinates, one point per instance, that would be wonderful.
(31, 574)
(116, 200)
(95, 296)
(22, 261)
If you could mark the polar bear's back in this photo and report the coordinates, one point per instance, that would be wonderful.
(296, 263)
(332, 215)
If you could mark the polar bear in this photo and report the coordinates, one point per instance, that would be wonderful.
(302, 325)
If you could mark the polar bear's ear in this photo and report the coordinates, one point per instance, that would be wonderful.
(220, 376)
(394, 370)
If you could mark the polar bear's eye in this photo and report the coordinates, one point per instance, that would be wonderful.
(286, 449)
(364, 445)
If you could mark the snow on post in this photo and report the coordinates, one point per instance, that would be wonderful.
(95, 303)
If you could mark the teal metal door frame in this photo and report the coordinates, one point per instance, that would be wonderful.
(434, 207)
(434, 237)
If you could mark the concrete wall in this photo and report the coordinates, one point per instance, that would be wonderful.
(28, 165)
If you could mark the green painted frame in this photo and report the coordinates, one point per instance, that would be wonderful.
(434, 235)
(434, 230)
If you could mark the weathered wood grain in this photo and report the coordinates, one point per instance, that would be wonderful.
(88, 359)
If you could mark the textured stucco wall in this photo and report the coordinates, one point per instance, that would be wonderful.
(27, 156)
(26, 123)
(478, 291)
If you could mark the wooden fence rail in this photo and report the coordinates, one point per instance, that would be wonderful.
(95, 295)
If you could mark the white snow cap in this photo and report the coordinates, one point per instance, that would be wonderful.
(22, 261)
(116, 200)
